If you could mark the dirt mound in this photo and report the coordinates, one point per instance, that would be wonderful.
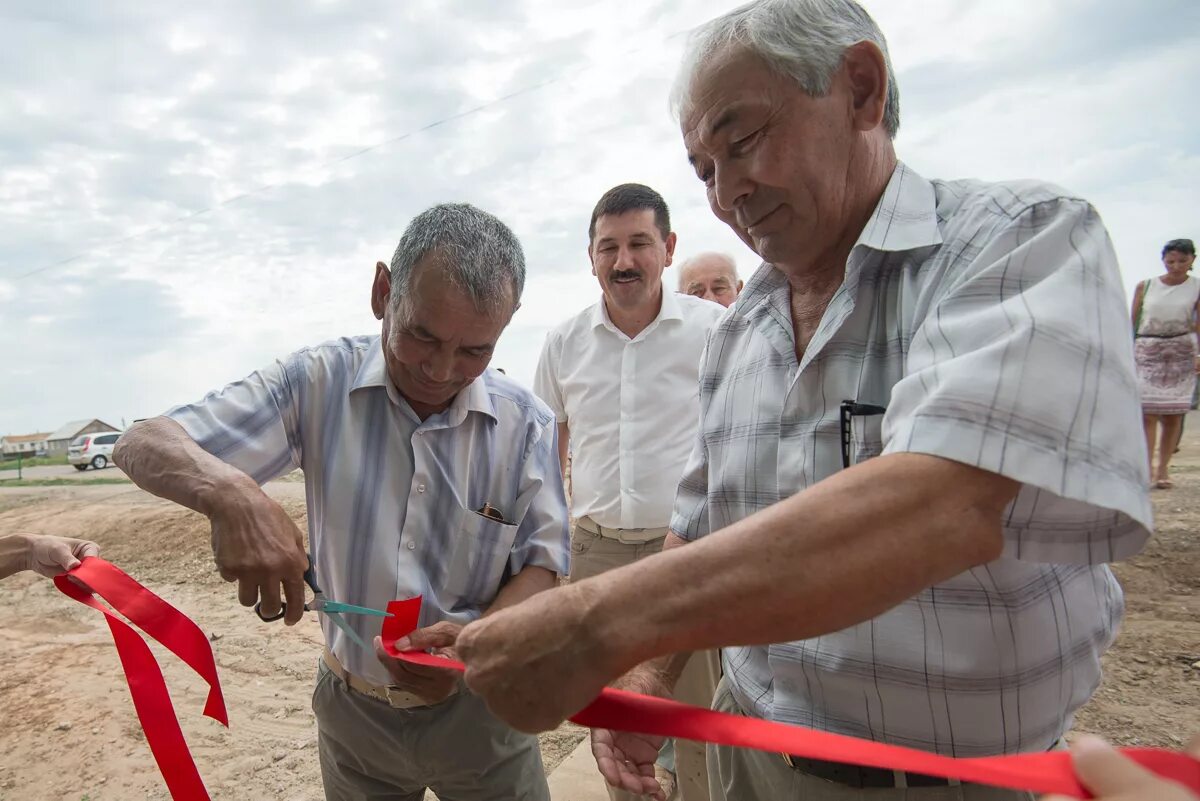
(70, 731)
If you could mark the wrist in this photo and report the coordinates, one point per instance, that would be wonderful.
(228, 494)
(16, 551)
(621, 634)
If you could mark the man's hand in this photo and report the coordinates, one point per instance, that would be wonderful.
(1112, 777)
(431, 684)
(257, 545)
(625, 759)
(539, 662)
(50, 556)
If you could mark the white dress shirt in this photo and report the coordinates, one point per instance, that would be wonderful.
(393, 500)
(631, 406)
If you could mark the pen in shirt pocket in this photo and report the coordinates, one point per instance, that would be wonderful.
(492, 513)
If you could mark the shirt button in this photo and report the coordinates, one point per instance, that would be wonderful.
(420, 488)
(411, 545)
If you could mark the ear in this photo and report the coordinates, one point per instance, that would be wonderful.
(591, 259)
(740, 285)
(381, 290)
(671, 240)
(865, 70)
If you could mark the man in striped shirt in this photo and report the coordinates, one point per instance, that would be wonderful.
(426, 474)
(918, 446)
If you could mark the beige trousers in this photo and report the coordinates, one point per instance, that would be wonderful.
(744, 774)
(372, 752)
(592, 555)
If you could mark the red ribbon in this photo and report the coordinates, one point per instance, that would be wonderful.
(181, 636)
(1049, 772)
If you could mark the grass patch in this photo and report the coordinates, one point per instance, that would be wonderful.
(36, 461)
(59, 482)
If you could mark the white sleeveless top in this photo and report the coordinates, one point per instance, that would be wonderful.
(1169, 310)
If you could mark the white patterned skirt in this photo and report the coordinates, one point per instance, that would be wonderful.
(1166, 373)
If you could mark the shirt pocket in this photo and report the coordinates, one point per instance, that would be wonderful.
(866, 437)
(480, 557)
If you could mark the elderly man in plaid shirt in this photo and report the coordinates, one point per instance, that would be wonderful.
(918, 447)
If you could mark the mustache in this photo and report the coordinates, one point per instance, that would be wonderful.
(616, 275)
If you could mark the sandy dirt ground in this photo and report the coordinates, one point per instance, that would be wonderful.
(70, 733)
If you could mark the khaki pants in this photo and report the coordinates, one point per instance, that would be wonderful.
(372, 752)
(744, 774)
(592, 555)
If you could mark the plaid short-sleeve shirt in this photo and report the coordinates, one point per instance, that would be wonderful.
(989, 321)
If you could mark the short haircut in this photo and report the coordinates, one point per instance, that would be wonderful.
(480, 254)
(631, 197)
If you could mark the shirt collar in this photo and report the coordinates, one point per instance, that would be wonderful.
(474, 397)
(905, 218)
(668, 310)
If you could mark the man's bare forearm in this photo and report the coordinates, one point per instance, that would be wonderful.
(837, 554)
(14, 554)
(530, 581)
(160, 457)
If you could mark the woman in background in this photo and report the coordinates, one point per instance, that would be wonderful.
(1165, 324)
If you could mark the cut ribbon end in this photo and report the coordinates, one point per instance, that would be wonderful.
(403, 621)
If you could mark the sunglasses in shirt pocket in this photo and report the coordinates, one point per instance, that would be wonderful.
(479, 559)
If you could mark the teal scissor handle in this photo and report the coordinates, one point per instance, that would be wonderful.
(332, 609)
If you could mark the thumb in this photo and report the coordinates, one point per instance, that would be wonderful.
(437, 636)
(1104, 771)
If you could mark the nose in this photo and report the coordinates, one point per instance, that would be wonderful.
(439, 366)
(731, 187)
(709, 295)
(624, 259)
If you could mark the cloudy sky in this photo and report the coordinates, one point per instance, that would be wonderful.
(189, 190)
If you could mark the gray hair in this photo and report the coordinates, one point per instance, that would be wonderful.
(802, 39)
(480, 254)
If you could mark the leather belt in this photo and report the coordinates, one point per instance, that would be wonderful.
(392, 696)
(863, 777)
(628, 536)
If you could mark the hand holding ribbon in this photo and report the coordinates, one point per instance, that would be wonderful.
(620, 710)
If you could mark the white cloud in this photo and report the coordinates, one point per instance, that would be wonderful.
(246, 124)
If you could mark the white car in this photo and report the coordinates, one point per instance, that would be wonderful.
(92, 449)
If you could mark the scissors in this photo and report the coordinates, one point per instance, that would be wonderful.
(332, 609)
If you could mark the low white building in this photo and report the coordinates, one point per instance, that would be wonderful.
(13, 445)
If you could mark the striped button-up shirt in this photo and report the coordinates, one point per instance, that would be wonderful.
(989, 321)
(393, 501)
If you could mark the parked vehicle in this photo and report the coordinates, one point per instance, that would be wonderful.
(92, 449)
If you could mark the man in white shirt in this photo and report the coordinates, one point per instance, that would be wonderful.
(426, 474)
(711, 276)
(621, 377)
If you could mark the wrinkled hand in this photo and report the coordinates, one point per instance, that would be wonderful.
(1113, 777)
(626, 759)
(257, 545)
(50, 556)
(431, 684)
(537, 663)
